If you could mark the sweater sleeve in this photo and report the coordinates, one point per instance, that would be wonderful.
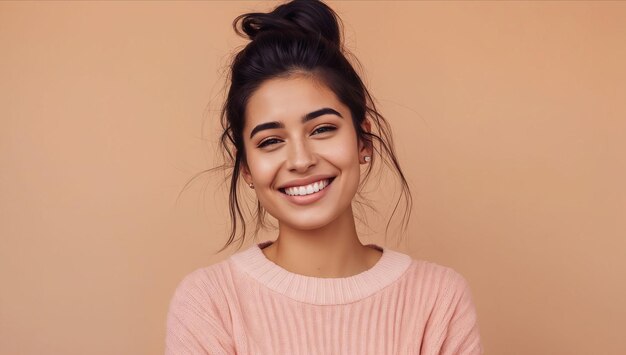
(193, 323)
(452, 328)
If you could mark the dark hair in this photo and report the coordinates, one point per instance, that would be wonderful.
(301, 37)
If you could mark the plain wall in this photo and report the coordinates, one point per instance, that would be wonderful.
(509, 120)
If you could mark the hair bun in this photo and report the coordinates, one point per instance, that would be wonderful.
(309, 17)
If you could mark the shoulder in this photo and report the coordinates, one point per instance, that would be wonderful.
(434, 272)
(439, 281)
(204, 278)
(451, 323)
(198, 320)
(203, 286)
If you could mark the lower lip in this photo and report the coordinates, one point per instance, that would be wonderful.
(307, 199)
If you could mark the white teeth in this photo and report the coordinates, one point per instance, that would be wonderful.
(308, 189)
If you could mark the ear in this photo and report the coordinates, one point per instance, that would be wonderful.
(364, 148)
(245, 173)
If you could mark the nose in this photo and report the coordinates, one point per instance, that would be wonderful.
(300, 157)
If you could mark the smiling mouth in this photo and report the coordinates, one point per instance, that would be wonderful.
(307, 189)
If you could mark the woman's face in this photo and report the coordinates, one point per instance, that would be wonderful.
(302, 152)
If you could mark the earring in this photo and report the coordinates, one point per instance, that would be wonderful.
(367, 158)
(251, 185)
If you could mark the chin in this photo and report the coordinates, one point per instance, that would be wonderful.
(308, 226)
(306, 223)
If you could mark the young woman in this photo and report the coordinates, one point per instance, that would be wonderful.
(302, 131)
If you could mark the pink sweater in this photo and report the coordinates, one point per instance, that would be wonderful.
(249, 305)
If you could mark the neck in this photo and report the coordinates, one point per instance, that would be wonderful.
(332, 251)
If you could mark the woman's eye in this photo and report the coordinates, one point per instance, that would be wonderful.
(324, 129)
(267, 142)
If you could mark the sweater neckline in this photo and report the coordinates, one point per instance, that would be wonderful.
(322, 291)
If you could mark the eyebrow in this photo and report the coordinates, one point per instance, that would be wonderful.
(309, 116)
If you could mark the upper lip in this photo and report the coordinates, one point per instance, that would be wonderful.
(305, 181)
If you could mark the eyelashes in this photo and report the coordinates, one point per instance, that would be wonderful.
(267, 142)
(319, 130)
(323, 129)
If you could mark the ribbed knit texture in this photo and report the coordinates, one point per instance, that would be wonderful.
(249, 305)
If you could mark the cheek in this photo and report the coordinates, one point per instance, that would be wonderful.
(263, 168)
(343, 151)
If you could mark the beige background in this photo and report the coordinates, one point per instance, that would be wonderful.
(510, 120)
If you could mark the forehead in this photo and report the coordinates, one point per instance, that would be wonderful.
(286, 99)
